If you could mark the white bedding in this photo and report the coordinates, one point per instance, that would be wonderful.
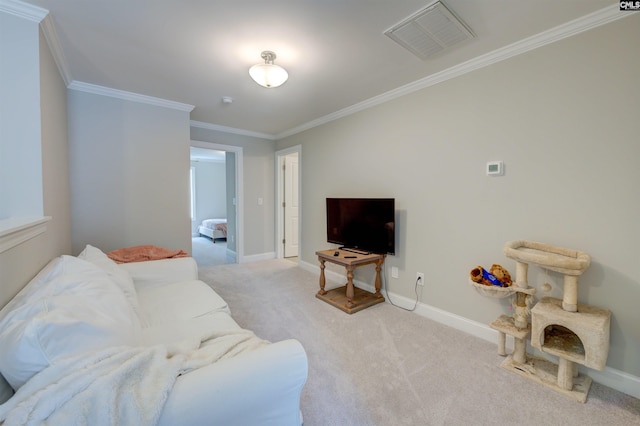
(211, 223)
(214, 228)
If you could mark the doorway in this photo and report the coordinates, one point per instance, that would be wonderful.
(223, 183)
(288, 190)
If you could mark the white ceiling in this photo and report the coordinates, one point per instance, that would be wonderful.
(196, 52)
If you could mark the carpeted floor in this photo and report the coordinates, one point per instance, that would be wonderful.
(206, 252)
(386, 366)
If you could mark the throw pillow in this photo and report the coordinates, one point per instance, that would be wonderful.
(117, 274)
(77, 310)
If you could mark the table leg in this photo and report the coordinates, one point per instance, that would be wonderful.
(350, 290)
(322, 292)
(378, 281)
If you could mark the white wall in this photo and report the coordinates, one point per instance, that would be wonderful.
(259, 234)
(129, 171)
(211, 191)
(562, 118)
(55, 157)
(47, 162)
(20, 133)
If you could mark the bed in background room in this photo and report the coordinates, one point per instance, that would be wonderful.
(214, 228)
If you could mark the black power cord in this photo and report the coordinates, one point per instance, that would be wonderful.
(384, 284)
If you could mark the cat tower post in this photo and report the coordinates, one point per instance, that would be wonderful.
(518, 325)
(520, 320)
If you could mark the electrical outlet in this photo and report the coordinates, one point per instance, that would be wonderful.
(394, 272)
(420, 278)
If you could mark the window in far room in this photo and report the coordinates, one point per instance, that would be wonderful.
(192, 180)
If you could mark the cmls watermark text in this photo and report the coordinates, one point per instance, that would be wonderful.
(629, 5)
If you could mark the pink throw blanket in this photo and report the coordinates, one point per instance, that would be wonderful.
(144, 253)
(222, 227)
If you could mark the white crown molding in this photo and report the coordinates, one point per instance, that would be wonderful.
(50, 34)
(232, 130)
(42, 16)
(23, 10)
(571, 28)
(128, 96)
(585, 23)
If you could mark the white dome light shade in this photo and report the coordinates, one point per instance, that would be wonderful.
(268, 74)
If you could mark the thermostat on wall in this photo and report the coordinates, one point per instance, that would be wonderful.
(495, 168)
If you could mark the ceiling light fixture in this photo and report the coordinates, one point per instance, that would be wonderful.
(268, 75)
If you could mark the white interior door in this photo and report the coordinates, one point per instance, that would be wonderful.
(291, 205)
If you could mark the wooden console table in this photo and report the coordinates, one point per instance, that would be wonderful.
(349, 298)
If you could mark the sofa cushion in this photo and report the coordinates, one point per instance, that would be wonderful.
(118, 275)
(188, 329)
(156, 273)
(178, 302)
(72, 309)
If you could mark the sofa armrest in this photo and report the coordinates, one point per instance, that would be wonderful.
(261, 387)
(155, 273)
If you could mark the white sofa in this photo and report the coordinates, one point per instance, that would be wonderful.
(87, 305)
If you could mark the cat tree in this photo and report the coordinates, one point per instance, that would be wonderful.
(575, 333)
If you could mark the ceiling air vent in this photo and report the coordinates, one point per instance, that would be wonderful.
(430, 31)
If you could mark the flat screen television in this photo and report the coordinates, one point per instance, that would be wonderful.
(367, 224)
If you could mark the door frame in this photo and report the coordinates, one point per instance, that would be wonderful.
(279, 162)
(239, 196)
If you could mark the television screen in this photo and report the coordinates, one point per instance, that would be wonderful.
(367, 224)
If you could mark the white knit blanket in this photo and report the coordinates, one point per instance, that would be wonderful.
(106, 387)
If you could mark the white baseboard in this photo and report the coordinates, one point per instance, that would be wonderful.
(257, 257)
(231, 255)
(610, 377)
